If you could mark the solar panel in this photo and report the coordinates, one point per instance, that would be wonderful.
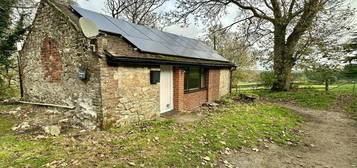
(195, 44)
(182, 41)
(166, 39)
(151, 40)
(149, 46)
(149, 33)
(159, 34)
(188, 42)
(202, 54)
(170, 37)
(102, 23)
(216, 56)
(205, 47)
(128, 28)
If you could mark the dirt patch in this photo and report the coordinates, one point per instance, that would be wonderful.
(330, 141)
(31, 120)
(185, 117)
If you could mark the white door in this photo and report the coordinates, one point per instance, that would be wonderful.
(166, 89)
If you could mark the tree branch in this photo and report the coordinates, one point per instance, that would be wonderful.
(254, 11)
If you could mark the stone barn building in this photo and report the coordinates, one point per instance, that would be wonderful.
(126, 74)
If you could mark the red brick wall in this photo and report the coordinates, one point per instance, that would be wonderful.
(189, 101)
(178, 88)
(51, 61)
(194, 99)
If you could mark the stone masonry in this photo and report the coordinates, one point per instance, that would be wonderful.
(213, 85)
(224, 85)
(56, 51)
(50, 60)
(128, 96)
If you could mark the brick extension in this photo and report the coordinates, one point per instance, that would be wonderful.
(189, 101)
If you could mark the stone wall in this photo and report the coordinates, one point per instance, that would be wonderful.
(128, 96)
(50, 61)
(225, 79)
(213, 85)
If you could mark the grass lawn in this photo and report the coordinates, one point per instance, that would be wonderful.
(315, 97)
(351, 108)
(156, 143)
(247, 83)
(6, 123)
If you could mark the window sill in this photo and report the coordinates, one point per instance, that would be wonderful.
(195, 90)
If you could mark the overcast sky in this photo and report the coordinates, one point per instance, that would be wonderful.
(192, 31)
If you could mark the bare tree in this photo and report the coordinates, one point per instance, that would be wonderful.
(228, 44)
(288, 29)
(142, 12)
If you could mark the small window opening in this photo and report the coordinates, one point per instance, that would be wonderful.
(154, 77)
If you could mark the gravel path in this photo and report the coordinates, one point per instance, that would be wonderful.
(331, 142)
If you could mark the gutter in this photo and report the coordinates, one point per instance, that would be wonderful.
(123, 60)
(230, 80)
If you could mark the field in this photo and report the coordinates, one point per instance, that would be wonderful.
(339, 97)
(162, 143)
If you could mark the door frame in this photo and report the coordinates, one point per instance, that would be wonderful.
(166, 70)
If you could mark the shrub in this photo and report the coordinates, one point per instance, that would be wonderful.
(267, 78)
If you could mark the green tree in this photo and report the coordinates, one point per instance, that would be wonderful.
(6, 44)
(323, 73)
(229, 46)
(9, 37)
(282, 27)
(267, 79)
(350, 72)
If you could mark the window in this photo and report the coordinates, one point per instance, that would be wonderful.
(154, 77)
(195, 78)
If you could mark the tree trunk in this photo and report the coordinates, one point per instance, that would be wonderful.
(283, 60)
(282, 73)
(326, 85)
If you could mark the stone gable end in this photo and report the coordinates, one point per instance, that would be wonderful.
(50, 60)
